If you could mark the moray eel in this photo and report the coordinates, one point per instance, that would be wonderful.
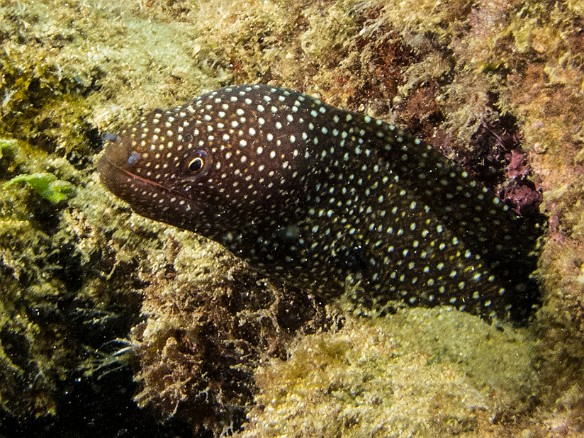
(321, 198)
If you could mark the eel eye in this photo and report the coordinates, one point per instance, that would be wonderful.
(196, 164)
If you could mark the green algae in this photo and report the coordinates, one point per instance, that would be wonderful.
(6, 147)
(46, 185)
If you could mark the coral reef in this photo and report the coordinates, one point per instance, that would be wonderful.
(496, 86)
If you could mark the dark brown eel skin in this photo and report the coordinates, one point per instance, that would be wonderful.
(321, 198)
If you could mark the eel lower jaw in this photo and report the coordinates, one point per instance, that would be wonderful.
(119, 180)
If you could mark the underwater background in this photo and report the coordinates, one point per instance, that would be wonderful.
(114, 325)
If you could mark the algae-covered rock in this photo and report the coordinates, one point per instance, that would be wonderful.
(35, 355)
(93, 296)
(66, 297)
(416, 373)
(210, 321)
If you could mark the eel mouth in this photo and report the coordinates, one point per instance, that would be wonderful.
(115, 172)
(112, 175)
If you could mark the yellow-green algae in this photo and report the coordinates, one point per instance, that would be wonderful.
(68, 286)
(410, 374)
(31, 344)
(460, 74)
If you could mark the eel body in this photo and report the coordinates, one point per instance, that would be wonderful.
(319, 197)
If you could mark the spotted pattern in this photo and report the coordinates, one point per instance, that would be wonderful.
(317, 197)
